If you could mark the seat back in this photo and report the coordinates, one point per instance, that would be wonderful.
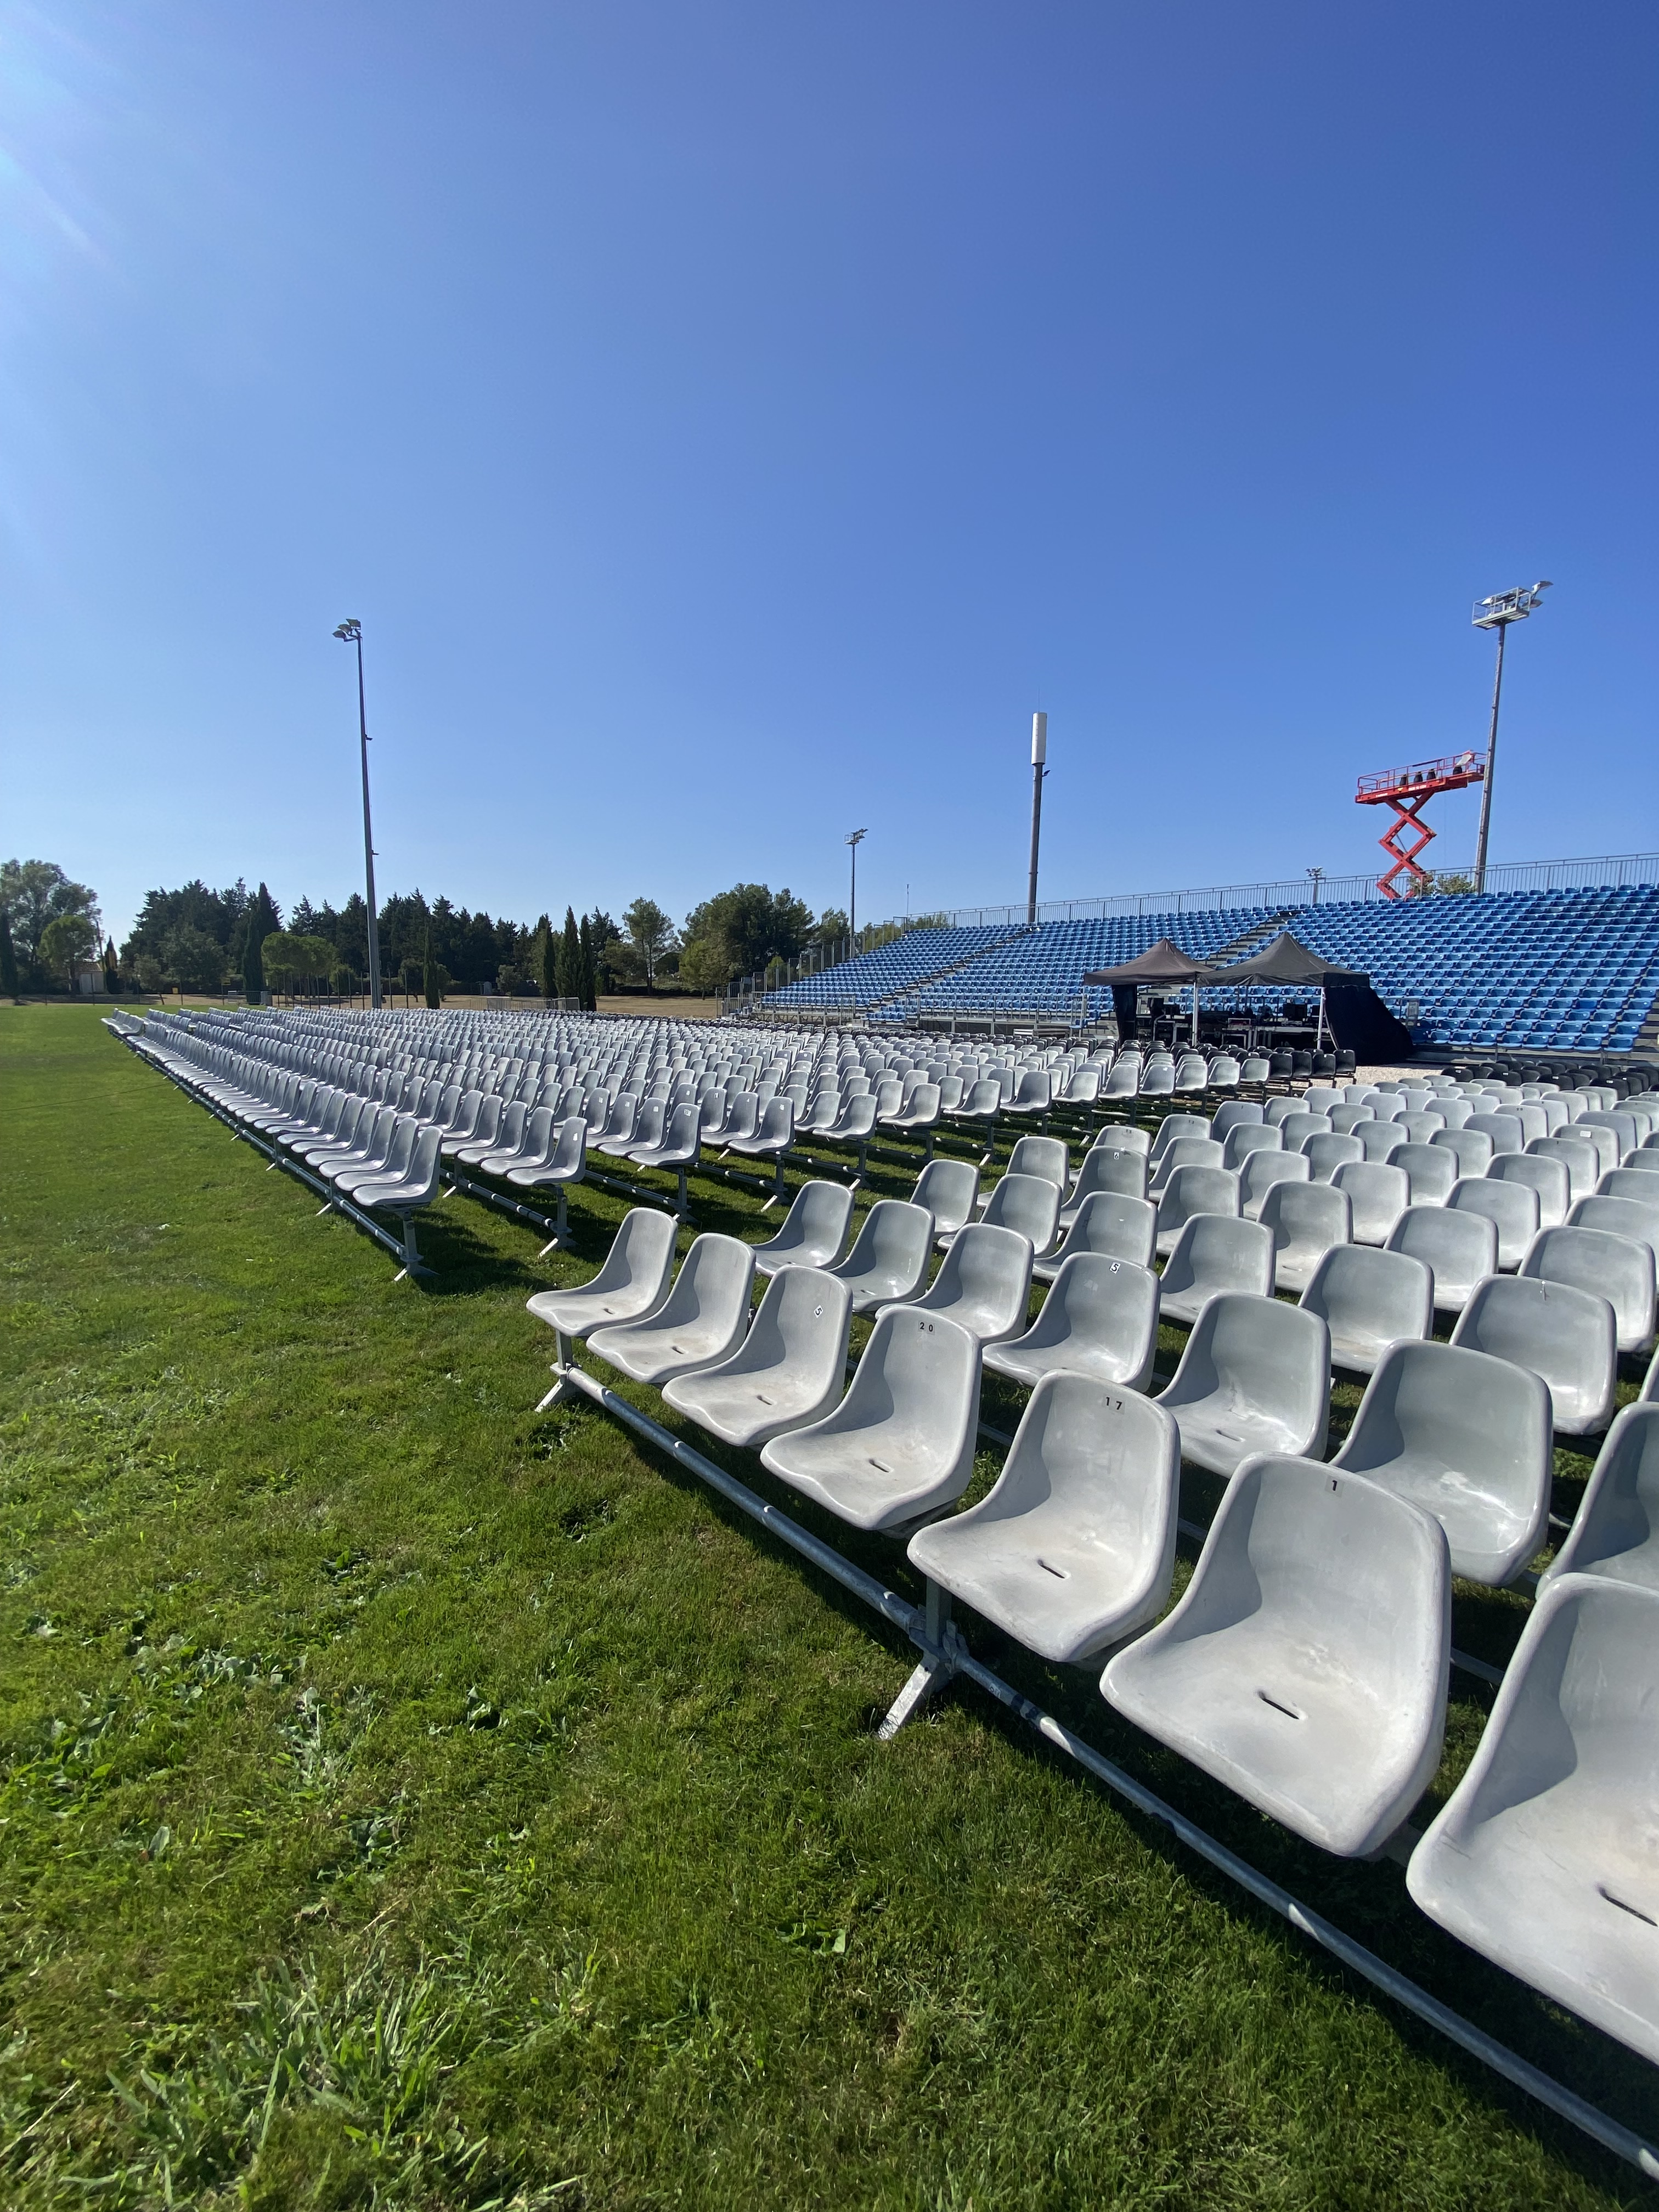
(1103, 1170)
(1216, 1252)
(1124, 1137)
(641, 1254)
(1430, 1169)
(1458, 1248)
(1298, 1130)
(1615, 1533)
(1381, 1139)
(950, 1190)
(1042, 1156)
(1327, 1153)
(1503, 1129)
(1249, 1137)
(1306, 1217)
(1617, 1267)
(1186, 1152)
(1098, 1300)
(1363, 1294)
(1263, 1170)
(1197, 1190)
(1027, 1203)
(1624, 1217)
(1470, 1149)
(989, 1268)
(713, 1287)
(1379, 1193)
(1443, 1405)
(817, 1218)
(1566, 1335)
(893, 1237)
(1117, 1225)
(1236, 1114)
(802, 1323)
(1174, 1127)
(1261, 1353)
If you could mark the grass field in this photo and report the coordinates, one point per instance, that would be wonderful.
(410, 1801)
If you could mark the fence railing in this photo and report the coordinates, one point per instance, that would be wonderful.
(1611, 870)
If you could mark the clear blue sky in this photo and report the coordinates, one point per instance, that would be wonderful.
(730, 421)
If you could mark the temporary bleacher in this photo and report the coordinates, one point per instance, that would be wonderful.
(1554, 971)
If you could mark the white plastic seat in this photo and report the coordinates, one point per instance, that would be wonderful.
(1380, 1141)
(632, 1284)
(788, 1371)
(1215, 1253)
(888, 1263)
(1047, 1157)
(1419, 1128)
(1276, 1109)
(813, 1233)
(1459, 1248)
(1111, 1224)
(1254, 1377)
(985, 1283)
(1304, 1220)
(1378, 1193)
(1619, 1268)
(1100, 1319)
(1623, 1217)
(1033, 1095)
(1640, 1183)
(1250, 1137)
(1326, 1153)
(1104, 1170)
(1466, 1438)
(1548, 1177)
(1511, 1207)
(1173, 1127)
(1615, 1532)
(1266, 1171)
(1564, 1335)
(1074, 1548)
(949, 1191)
(1123, 1078)
(921, 1111)
(1124, 1137)
(1369, 1299)
(1503, 1129)
(1027, 1203)
(1236, 1114)
(1622, 1127)
(1185, 1152)
(1345, 1120)
(1190, 1191)
(1470, 1148)
(1306, 1664)
(701, 1323)
(1192, 1071)
(1298, 1130)
(1430, 1172)
(647, 1129)
(1546, 1857)
(900, 1446)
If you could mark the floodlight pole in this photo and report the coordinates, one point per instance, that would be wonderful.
(1497, 613)
(351, 632)
(854, 840)
(1039, 757)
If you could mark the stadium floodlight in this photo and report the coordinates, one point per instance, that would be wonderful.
(854, 838)
(1497, 613)
(1039, 757)
(351, 632)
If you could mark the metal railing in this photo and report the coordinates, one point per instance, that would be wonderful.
(1610, 871)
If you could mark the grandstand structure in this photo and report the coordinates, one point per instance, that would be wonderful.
(1572, 970)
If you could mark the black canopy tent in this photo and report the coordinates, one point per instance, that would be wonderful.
(1163, 963)
(1359, 1022)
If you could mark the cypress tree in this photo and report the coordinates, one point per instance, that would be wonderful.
(112, 973)
(590, 994)
(428, 973)
(570, 958)
(547, 958)
(8, 957)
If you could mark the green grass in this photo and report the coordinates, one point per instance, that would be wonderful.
(409, 1801)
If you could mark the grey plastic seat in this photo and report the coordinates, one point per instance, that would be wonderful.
(1429, 1170)
(509, 1119)
(1345, 1120)
(1266, 1171)
(1124, 1136)
(1378, 1140)
(1640, 1183)
(788, 1371)
(1378, 1192)
(1298, 1129)
(1543, 1859)
(1276, 1109)
(647, 1128)
(1567, 1336)
(537, 1141)
(1122, 1077)
(773, 1134)
(1604, 1141)
(1622, 1126)
(1111, 1224)
(1100, 1319)
(888, 1262)
(1195, 1190)
(1325, 1154)
(1236, 1114)
(1511, 1207)
(1158, 1079)
(1419, 1128)
(403, 1188)
(1074, 1548)
(1027, 1203)
(1173, 1127)
(1624, 1217)
(1548, 1177)
(985, 1283)
(1369, 1299)
(1459, 1248)
(1455, 1112)
(1033, 1094)
(1615, 1532)
(700, 1324)
(1619, 1268)
(1042, 1156)
(900, 1446)
(1251, 1137)
(1306, 1664)
(632, 1284)
(1185, 1152)
(1304, 1219)
(921, 1111)
(1192, 1071)
(1470, 1148)
(1105, 1171)
(949, 1191)
(1503, 1129)
(1466, 1438)
(813, 1233)
(1215, 1253)
(1256, 1376)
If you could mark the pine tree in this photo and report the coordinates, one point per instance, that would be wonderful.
(570, 958)
(589, 993)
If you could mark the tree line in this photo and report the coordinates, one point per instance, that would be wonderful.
(196, 938)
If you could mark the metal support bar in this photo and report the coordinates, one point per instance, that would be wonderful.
(1599, 2126)
(553, 1230)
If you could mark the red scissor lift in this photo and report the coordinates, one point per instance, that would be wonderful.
(1408, 790)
